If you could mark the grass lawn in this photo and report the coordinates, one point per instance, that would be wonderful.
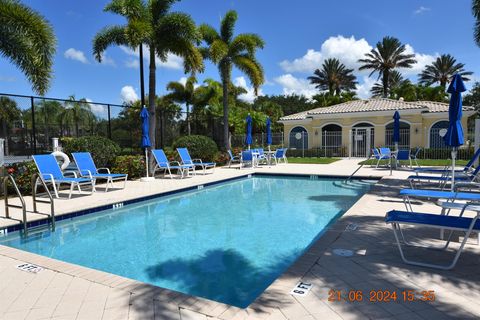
(312, 160)
(423, 162)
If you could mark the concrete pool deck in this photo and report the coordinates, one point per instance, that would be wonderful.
(67, 291)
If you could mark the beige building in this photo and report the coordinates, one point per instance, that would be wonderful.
(353, 127)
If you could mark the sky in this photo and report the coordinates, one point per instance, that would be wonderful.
(299, 36)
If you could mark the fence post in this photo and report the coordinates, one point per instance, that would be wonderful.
(34, 133)
(476, 138)
(349, 143)
(109, 128)
(303, 144)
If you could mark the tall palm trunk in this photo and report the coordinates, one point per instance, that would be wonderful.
(151, 103)
(225, 84)
(385, 80)
(188, 119)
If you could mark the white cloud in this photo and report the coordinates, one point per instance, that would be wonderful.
(106, 60)
(292, 85)
(173, 61)
(347, 50)
(250, 95)
(132, 63)
(128, 94)
(96, 108)
(363, 89)
(75, 54)
(421, 10)
(422, 61)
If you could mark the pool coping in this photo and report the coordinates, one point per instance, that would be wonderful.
(281, 285)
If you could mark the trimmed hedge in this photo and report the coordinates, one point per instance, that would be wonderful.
(199, 147)
(103, 150)
(134, 166)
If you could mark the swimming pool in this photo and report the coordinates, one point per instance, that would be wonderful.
(226, 242)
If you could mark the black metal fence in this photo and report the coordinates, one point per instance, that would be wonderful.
(28, 124)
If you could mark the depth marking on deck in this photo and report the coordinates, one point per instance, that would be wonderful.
(301, 289)
(28, 267)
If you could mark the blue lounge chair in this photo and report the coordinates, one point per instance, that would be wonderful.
(50, 173)
(87, 168)
(450, 196)
(468, 167)
(379, 156)
(280, 155)
(261, 156)
(188, 161)
(403, 155)
(452, 223)
(246, 159)
(233, 158)
(165, 165)
(445, 178)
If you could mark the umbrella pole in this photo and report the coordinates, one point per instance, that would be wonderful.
(454, 156)
(146, 160)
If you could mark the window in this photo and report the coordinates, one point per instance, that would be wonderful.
(298, 138)
(404, 142)
(436, 141)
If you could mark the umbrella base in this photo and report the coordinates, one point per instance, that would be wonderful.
(147, 179)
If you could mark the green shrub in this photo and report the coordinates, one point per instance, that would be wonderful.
(22, 172)
(134, 166)
(199, 147)
(103, 150)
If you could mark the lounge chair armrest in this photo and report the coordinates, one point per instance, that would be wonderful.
(103, 169)
(47, 175)
(86, 173)
(177, 163)
(72, 173)
(197, 160)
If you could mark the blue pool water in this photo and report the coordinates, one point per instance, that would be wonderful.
(226, 242)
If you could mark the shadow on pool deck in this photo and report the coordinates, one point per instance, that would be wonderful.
(375, 266)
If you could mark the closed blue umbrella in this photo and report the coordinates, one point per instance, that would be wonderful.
(396, 129)
(454, 136)
(144, 116)
(396, 135)
(248, 138)
(269, 133)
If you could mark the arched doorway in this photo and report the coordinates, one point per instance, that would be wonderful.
(436, 140)
(404, 142)
(332, 140)
(298, 138)
(363, 139)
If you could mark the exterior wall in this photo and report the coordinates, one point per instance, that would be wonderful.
(420, 125)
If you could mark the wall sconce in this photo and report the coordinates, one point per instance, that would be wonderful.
(416, 130)
(316, 132)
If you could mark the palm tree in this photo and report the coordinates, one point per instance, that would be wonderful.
(9, 112)
(76, 111)
(334, 77)
(188, 94)
(151, 23)
(28, 41)
(46, 112)
(227, 51)
(389, 54)
(476, 14)
(442, 70)
(395, 80)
